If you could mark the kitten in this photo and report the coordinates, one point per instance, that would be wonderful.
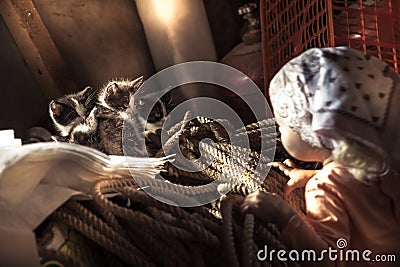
(96, 118)
(153, 122)
(116, 94)
(113, 101)
(72, 110)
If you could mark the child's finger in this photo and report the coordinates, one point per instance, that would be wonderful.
(289, 163)
(298, 179)
(283, 168)
(278, 165)
(273, 164)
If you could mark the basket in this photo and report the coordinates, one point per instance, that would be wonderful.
(291, 27)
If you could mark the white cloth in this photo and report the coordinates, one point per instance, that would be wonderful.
(36, 179)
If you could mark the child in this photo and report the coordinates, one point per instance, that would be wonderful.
(340, 107)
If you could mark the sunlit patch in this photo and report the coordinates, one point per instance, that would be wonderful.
(165, 9)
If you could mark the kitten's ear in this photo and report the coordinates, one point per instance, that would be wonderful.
(89, 94)
(135, 84)
(112, 88)
(167, 97)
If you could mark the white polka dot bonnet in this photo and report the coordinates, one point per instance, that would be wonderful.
(330, 93)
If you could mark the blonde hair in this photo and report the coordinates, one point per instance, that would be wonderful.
(363, 162)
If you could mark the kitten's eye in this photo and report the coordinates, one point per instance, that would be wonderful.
(56, 108)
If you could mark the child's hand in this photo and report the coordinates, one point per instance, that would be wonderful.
(269, 208)
(298, 178)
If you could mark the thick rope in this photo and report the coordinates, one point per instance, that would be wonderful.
(90, 218)
(164, 252)
(228, 235)
(248, 251)
(57, 255)
(139, 230)
(185, 222)
(131, 256)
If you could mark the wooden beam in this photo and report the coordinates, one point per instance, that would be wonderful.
(37, 47)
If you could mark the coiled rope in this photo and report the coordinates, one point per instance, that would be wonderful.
(131, 228)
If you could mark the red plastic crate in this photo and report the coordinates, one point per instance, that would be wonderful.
(371, 26)
(290, 27)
